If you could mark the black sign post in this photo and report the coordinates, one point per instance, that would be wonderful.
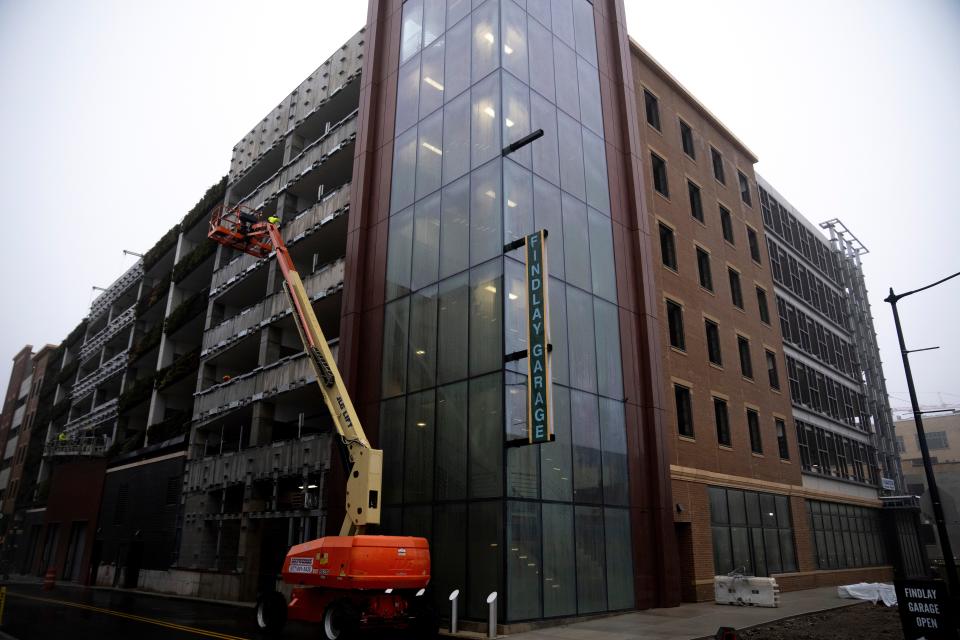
(925, 610)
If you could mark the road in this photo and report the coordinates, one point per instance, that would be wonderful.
(96, 614)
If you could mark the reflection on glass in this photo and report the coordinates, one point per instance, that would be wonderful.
(484, 127)
(457, 71)
(485, 235)
(422, 359)
(541, 59)
(518, 202)
(392, 417)
(404, 170)
(586, 448)
(516, 117)
(408, 95)
(591, 560)
(556, 462)
(434, 14)
(619, 559)
(429, 154)
(456, 138)
(568, 92)
(451, 473)
(584, 30)
(411, 28)
(514, 57)
(455, 228)
(395, 320)
(486, 437)
(601, 257)
(583, 360)
(426, 241)
(595, 163)
(588, 81)
(486, 353)
(523, 560)
(559, 569)
(485, 38)
(576, 243)
(515, 318)
(571, 156)
(418, 462)
(546, 157)
(558, 332)
(484, 559)
(546, 207)
(431, 73)
(399, 256)
(613, 438)
(454, 311)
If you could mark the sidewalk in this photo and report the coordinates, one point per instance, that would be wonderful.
(691, 621)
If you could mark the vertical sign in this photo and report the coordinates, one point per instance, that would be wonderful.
(539, 416)
(925, 610)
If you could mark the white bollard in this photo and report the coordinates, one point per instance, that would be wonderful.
(453, 610)
(492, 619)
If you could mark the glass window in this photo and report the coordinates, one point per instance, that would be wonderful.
(753, 425)
(523, 470)
(583, 359)
(588, 80)
(607, 326)
(568, 91)
(595, 163)
(556, 460)
(411, 29)
(727, 225)
(484, 561)
(449, 542)
(451, 458)
(559, 568)
(668, 247)
(456, 138)
(714, 353)
(457, 63)
(736, 291)
(619, 553)
(591, 560)
(434, 12)
(486, 352)
(392, 420)
(486, 239)
(426, 241)
(457, 9)
(454, 304)
(585, 35)
(576, 243)
(722, 419)
(485, 129)
(772, 372)
(408, 93)
(601, 256)
(717, 165)
(587, 476)
(518, 204)
(485, 39)
(404, 170)
(703, 269)
(422, 360)
(399, 254)
(754, 245)
(762, 304)
(696, 203)
(659, 168)
(515, 40)
(486, 437)
(516, 117)
(546, 154)
(395, 319)
(782, 443)
(571, 156)
(686, 140)
(652, 107)
(515, 318)
(523, 559)
(546, 202)
(684, 410)
(418, 448)
(454, 228)
(431, 73)
(541, 59)
(613, 437)
(746, 364)
(744, 188)
(558, 332)
(675, 325)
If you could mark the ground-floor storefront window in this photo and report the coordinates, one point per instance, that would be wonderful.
(752, 532)
(846, 536)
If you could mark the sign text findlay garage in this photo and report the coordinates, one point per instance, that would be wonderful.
(924, 610)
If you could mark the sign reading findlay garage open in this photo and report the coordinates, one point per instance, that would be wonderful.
(925, 610)
(539, 416)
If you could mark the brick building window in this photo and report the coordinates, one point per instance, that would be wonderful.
(744, 188)
(659, 166)
(717, 165)
(772, 372)
(653, 109)
(762, 305)
(696, 203)
(686, 140)
(681, 395)
(722, 419)
(782, 443)
(935, 440)
(713, 342)
(754, 245)
(668, 247)
(753, 426)
(746, 364)
(736, 291)
(703, 269)
(675, 322)
(726, 223)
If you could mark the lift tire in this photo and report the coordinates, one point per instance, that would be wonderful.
(271, 612)
(340, 621)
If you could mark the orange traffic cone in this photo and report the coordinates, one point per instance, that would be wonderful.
(49, 580)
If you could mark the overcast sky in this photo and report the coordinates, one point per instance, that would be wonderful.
(118, 115)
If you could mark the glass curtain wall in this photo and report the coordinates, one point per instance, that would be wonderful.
(545, 526)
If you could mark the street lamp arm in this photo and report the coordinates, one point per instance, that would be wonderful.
(893, 297)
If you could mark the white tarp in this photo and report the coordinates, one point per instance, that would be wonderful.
(872, 591)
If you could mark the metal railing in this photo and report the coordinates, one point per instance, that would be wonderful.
(265, 382)
(306, 455)
(90, 446)
(318, 285)
(107, 370)
(115, 290)
(100, 414)
(116, 325)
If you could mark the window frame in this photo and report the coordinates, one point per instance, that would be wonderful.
(783, 445)
(716, 159)
(753, 428)
(704, 270)
(674, 306)
(773, 373)
(726, 224)
(763, 305)
(653, 119)
(736, 287)
(707, 325)
(744, 183)
(724, 437)
(658, 162)
(746, 358)
(695, 197)
(667, 232)
(753, 242)
(682, 394)
(686, 135)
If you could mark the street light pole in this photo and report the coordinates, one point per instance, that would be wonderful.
(945, 547)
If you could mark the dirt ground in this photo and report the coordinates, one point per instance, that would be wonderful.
(859, 622)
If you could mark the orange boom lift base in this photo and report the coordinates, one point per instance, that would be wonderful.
(345, 581)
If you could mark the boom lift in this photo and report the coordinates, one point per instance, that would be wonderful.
(351, 579)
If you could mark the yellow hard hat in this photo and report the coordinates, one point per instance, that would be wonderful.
(273, 219)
